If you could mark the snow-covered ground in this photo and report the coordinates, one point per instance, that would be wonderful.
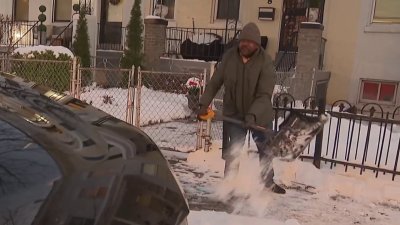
(336, 197)
(333, 196)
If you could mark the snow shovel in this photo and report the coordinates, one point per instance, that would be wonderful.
(294, 135)
(212, 114)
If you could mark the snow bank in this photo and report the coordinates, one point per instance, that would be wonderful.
(203, 38)
(42, 48)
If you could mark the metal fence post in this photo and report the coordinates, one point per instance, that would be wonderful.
(207, 135)
(130, 97)
(319, 137)
(138, 98)
(78, 81)
(73, 78)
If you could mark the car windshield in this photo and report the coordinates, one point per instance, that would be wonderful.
(27, 173)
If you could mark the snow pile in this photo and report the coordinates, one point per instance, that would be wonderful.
(246, 192)
(203, 38)
(57, 50)
(152, 17)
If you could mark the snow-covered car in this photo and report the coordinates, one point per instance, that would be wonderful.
(86, 167)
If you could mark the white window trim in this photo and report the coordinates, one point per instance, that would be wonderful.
(54, 14)
(175, 10)
(214, 12)
(14, 11)
(379, 27)
(360, 93)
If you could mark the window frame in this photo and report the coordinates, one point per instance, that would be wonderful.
(215, 11)
(14, 12)
(381, 20)
(379, 82)
(55, 12)
(154, 2)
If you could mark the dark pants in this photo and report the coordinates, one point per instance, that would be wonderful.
(235, 138)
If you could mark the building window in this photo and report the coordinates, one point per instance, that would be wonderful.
(62, 10)
(386, 11)
(378, 91)
(228, 9)
(164, 8)
(21, 10)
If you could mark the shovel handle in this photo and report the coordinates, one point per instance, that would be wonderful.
(241, 123)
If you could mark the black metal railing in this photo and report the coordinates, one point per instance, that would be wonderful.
(111, 36)
(87, 5)
(365, 139)
(285, 61)
(198, 43)
(64, 37)
(18, 33)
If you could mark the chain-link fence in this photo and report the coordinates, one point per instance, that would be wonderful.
(164, 108)
(52, 73)
(161, 103)
(105, 89)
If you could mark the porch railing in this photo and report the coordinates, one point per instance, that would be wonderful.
(87, 4)
(64, 37)
(285, 61)
(112, 38)
(198, 43)
(18, 33)
(363, 139)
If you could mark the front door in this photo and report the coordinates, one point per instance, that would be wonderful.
(110, 26)
(295, 12)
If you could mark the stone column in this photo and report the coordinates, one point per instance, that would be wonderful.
(154, 41)
(309, 48)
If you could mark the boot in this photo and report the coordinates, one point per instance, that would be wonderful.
(278, 189)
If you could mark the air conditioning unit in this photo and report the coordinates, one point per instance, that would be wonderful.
(313, 14)
(266, 13)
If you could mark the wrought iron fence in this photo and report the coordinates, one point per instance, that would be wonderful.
(285, 61)
(363, 139)
(164, 108)
(18, 33)
(64, 36)
(112, 36)
(198, 43)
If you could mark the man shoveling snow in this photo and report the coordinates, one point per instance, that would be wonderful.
(247, 74)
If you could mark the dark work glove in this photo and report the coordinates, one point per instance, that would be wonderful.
(249, 121)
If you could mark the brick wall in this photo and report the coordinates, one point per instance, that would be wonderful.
(154, 41)
(309, 47)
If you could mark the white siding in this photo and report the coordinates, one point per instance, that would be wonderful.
(377, 51)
